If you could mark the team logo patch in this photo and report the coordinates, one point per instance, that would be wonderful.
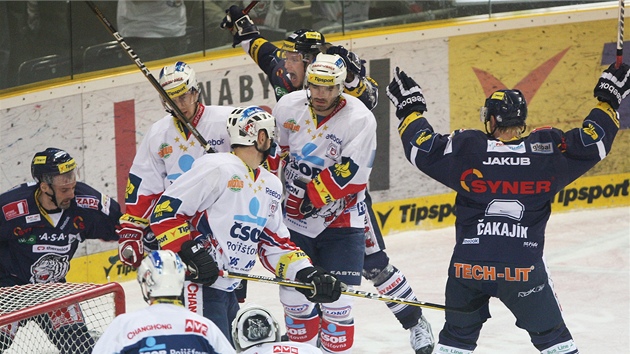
(167, 208)
(591, 134)
(165, 150)
(131, 192)
(424, 140)
(291, 125)
(235, 184)
(15, 209)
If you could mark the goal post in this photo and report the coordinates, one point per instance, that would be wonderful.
(57, 317)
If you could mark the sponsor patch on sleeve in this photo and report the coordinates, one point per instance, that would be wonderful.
(15, 209)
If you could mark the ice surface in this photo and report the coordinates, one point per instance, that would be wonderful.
(587, 252)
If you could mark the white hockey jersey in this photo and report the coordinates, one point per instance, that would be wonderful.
(236, 210)
(283, 348)
(337, 154)
(162, 328)
(166, 152)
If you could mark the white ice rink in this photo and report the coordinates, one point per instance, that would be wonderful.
(587, 252)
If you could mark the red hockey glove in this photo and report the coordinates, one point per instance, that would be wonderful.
(298, 205)
(203, 269)
(130, 246)
(326, 288)
(406, 95)
(614, 85)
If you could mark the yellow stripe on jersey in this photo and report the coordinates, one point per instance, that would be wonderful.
(134, 220)
(255, 46)
(604, 106)
(405, 122)
(173, 234)
(323, 192)
(286, 260)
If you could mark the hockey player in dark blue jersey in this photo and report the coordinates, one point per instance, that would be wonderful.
(41, 226)
(505, 183)
(286, 67)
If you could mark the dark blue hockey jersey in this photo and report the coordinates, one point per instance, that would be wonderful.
(270, 59)
(505, 189)
(34, 248)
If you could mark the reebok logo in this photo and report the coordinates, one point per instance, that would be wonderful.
(412, 100)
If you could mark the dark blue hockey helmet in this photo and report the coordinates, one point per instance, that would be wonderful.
(507, 106)
(51, 162)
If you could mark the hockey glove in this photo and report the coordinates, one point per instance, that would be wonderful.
(298, 205)
(130, 246)
(613, 86)
(326, 288)
(406, 95)
(353, 62)
(202, 268)
(239, 24)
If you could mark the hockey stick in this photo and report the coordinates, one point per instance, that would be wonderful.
(176, 111)
(620, 35)
(346, 291)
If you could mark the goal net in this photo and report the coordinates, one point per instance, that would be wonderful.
(58, 317)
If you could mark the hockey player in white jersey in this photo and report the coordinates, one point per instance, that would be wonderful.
(256, 331)
(224, 212)
(285, 67)
(166, 152)
(330, 140)
(165, 326)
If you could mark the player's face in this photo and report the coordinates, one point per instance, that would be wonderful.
(323, 98)
(63, 187)
(295, 69)
(187, 103)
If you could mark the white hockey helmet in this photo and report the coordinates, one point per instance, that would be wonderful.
(254, 325)
(161, 273)
(327, 70)
(178, 79)
(244, 123)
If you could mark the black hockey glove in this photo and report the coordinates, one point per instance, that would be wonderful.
(298, 205)
(406, 95)
(613, 86)
(239, 24)
(203, 269)
(353, 62)
(326, 288)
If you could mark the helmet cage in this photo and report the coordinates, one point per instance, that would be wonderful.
(254, 325)
(161, 274)
(244, 123)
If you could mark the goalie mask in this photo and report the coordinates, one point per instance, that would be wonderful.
(252, 326)
(161, 274)
(507, 106)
